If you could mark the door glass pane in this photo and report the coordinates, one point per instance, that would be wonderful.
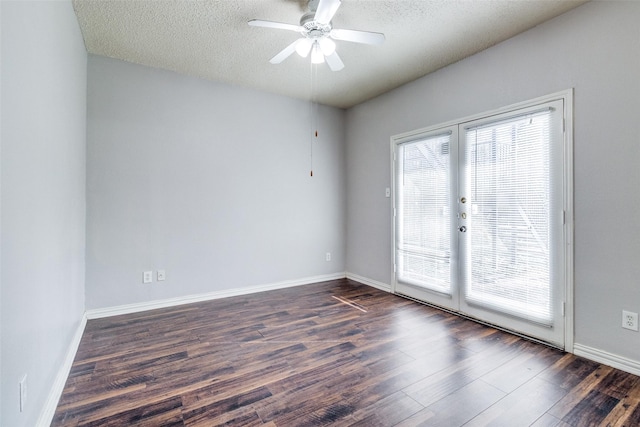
(423, 234)
(508, 234)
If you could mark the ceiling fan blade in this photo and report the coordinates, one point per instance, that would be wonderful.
(284, 53)
(325, 11)
(334, 62)
(365, 37)
(277, 25)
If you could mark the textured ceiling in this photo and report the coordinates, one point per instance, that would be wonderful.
(212, 40)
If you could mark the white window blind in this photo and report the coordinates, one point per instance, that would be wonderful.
(509, 226)
(423, 235)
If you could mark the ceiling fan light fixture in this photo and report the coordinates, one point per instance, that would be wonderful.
(303, 47)
(327, 46)
(316, 54)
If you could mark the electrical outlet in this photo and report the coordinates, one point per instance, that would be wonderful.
(162, 275)
(328, 256)
(23, 392)
(630, 320)
(147, 277)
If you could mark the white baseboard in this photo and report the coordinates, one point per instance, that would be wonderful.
(187, 299)
(49, 408)
(366, 281)
(606, 358)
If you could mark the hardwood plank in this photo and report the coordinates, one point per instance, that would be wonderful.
(569, 371)
(591, 410)
(202, 414)
(522, 407)
(627, 389)
(578, 395)
(522, 368)
(547, 420)
(164, 413)
(419, 419)
(461, 373)
(464, 404)
(244, 416)
(387, 412)
(288, 410)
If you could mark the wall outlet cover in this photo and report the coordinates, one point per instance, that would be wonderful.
(147, 277)
(630, 320)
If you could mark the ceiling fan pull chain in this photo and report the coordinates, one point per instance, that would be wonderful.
(312, 116)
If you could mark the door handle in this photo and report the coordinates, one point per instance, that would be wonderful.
(462, 229)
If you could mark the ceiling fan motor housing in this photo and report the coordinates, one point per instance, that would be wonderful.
(312, 28)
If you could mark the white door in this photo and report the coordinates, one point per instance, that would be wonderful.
(479, 219)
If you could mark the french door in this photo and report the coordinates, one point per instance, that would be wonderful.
(480, 219)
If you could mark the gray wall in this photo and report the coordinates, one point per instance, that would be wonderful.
(210, 182)
(594, 49)
(43, 198)
(207, 181)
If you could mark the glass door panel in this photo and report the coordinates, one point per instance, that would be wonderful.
(425, 246)
(511, 252)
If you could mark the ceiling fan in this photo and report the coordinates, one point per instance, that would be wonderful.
(317, 34)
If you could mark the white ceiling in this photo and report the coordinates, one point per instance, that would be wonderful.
(212, 40)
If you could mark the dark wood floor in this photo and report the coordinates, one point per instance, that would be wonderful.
(334, 353)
